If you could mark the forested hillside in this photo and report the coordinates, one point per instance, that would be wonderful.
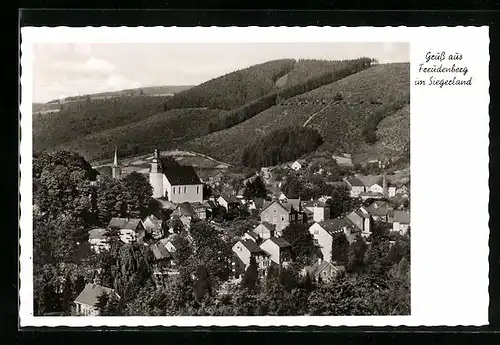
(340, 111)
(160, 130)
(77, 119)
(234, 89)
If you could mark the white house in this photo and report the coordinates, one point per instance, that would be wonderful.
(228, 202)
(297, 165)
(246, 248)
(265, 230)
(98, 240)
(401, 221)
(153, 226)
(355, 185)
(175, 182)
(86, 302)
(320, 210)
(278, 249)
(129, 229)
(323, 233)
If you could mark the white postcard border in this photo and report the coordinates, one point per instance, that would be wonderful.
(449, 173)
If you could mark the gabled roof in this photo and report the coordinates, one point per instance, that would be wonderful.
(314, 203)
(362, 214)
(354, 181)
(252, 234)
(229, 199)
(378, 211)
(124, 223)
(370, 180)
(185, 209)
(251, 246)
(337, 225)
(97, 233)
(280, 242)
(290, 204)
(160, 252)
(318, 267)
(371, 194)
(156, 221)
(267, 225)
(91, 293)
(166, 204)
(402, 217)
(181, 175)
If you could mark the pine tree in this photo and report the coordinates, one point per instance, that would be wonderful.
(250, 278)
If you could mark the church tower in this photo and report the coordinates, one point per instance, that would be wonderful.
(156, 176)
(115, 169)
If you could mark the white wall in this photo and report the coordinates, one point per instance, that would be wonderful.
(324, 240)
(242, 252)
(272, 249)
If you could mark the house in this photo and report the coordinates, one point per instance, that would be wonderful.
(282, 213)
(265, 230)
(200, 210)
(163, 259)
(256, 204)
(282, 196)
(185, 210)
(297, 165)
(86, 302)
(379, 210)
(153, 226)
(172, 243)
(361, 218)
(323, 270)
(344, 160)
(250, 235)
(320, 210)
(278, 249)
(177, 183)
(401, 221)
(245, 248)
(229, 203)
(98, 240)
(402, 189)
(355, 185)
(323, 233)
(129, 229)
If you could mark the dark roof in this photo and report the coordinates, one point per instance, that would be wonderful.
(91, 292)
(314, 203)
(185, 209)
(251, 246)
(402, 217)
(378, 211)
(280, 242)
(252, 234)
(230, 199)
(374, 194)
(362, 214)
(288, 205)
(181, 175)
(268, 225)
(258, 202)
(370, 180)
(160, 252)
(354, 181)
(124, 223)
(156, 221)
(333, 226)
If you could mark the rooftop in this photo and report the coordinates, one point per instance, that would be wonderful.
(181, 175)
(124, 223)
(91, 293)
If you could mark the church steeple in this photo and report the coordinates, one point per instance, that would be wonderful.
(115, 169)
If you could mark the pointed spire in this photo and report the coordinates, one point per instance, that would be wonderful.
(115, 162)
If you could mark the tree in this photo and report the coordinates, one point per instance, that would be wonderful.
(255, 189)
(302, 243)
(79, 284)
(67, 295)
(356, 254)
(249, 280)
(340, 201)
(340, 248)
(111, 199)
(138, 194)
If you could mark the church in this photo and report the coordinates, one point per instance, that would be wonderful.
(176, 183)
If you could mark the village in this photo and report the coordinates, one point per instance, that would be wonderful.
(266, 210)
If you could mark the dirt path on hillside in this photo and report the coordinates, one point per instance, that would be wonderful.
(319, 111)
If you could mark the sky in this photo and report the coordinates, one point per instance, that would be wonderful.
(70, 69)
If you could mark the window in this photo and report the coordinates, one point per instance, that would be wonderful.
(275, 217)
(184, 190)
(316, 242)
(274, 210)
(282, 218)
(198, 190)
(266, 217)
(316, 232)
(173, 190)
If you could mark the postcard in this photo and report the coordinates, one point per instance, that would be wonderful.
(254, 176)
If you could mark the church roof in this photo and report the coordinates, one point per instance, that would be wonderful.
(181, 175)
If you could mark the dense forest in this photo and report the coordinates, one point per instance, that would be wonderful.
(234, 89)
(77, 119)
(281, 145)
